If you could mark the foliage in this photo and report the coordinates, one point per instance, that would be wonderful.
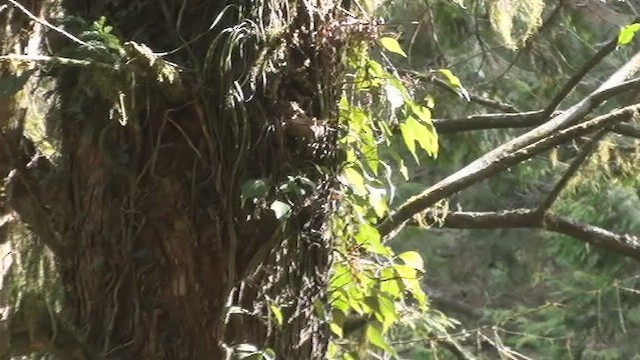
(542, 295)
(372, 288)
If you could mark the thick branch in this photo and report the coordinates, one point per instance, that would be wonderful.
(493, 163)
(622, 244)
(490, 121)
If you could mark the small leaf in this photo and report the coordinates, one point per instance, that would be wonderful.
(336, 329)
(403, 170)
(375, 337)
(392, 45)
(254, 188)
(627, 33)
(356, 180)
(378, 201)
(369, 237)
(281, 209)
(412, 130)
(409, 138)
(452, 79)
(277, 314)
(413, 259)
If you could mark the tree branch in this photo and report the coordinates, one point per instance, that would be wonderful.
(577, 163)
(490, 121)
(622, 244)
(627, 130)
(496, 161)
(480, 100)
(512, 153)
(579, 75)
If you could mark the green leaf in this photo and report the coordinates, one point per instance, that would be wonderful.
(412, 130)
(254, 188)
(392, 45)
(282, 210)
(390, 284)
(413, 259)
(409, 138)
(451, 79)
(454, 81)
(627, 33)
(403, 170)
(378, 201)
(388, 311)
(369, 237)
(356, 180)
(277, 314)
(406, 273)
(336, 329)
(342, 277)
(423, 113)
(375, 337)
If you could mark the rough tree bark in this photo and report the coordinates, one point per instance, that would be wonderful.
(154, 247)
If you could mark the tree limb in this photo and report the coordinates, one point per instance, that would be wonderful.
(622, 244)
(577, 163)
(490, 121)
(480, 100)
(510, 153)
(627, 130)
(494, 162)
(579, 75)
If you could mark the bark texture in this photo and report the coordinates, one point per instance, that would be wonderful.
(159, 257)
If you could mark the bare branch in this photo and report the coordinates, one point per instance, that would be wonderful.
(523, 147)
(577, 163)
(490, 121)
(494, 162)
(486, 102)
(511, 121)
(579, 75)
(627, 130)
(622, 244)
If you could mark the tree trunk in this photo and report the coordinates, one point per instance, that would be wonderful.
(159, 254)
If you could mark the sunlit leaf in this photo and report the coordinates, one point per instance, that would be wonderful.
(454, 81)
(336, 329)
(356, 180)
(451, 79)
(375, 337)
(282, 210)
(413, 259)
(369, 237)
(412, 130)
(403, 170)
(627, 33)
(378, 201)
(392, 45)
(277, 314)
(409, 138)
